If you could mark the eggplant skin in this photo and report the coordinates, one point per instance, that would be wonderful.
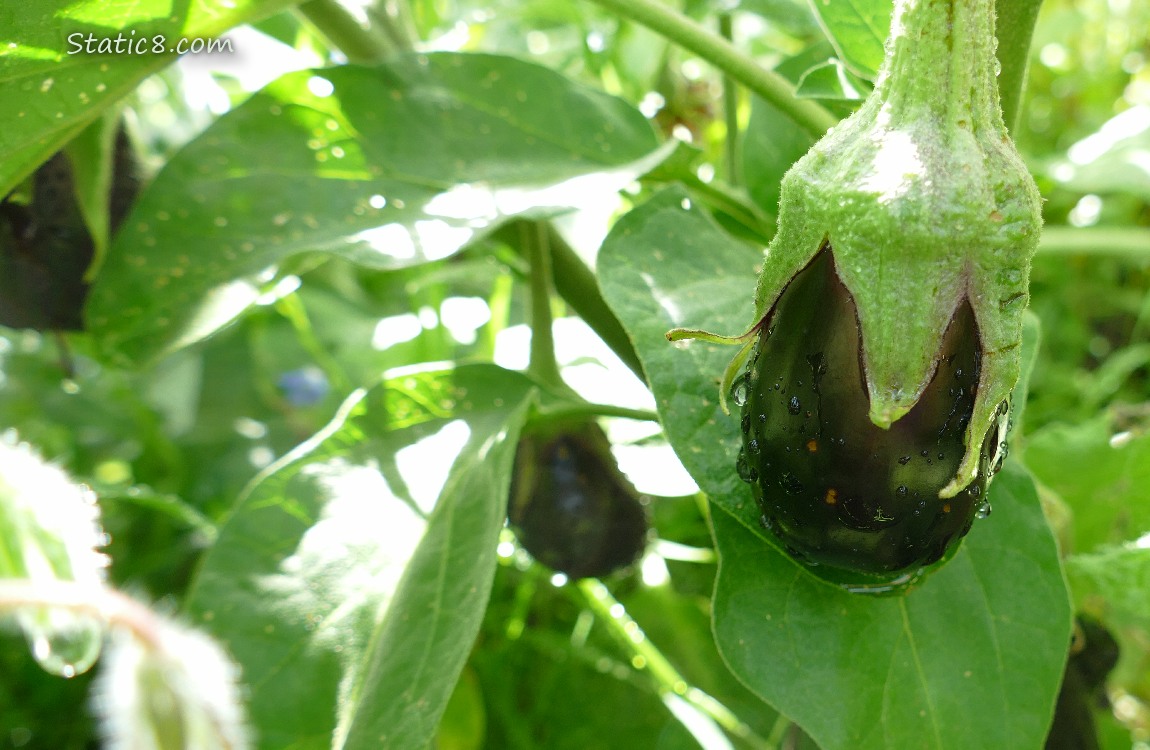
(572, 508)
(835, 489)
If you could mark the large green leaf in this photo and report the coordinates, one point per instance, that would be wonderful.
(332, 573)
(1105, 481)
(50, 91)
(857, 29)
(386, 166)
(972, 657)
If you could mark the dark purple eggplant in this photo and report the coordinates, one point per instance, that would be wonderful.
(572, 508)
(834, 488)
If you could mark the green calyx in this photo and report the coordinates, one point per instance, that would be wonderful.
(925, 203)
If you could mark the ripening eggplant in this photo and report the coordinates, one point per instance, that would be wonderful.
(46, 248)
(835, 488)
(571, 507)
(891, 298)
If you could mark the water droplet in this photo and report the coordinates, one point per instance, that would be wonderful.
(983, 509)
(902, 490)
(739, 391)
(753, 447)
(63, 643)
(794, 407)
(746, 423)
(743, 467)
(904, 460)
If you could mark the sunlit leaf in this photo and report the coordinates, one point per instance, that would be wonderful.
(386, 166)
(857, 29)
(345, 569)
(52, 87)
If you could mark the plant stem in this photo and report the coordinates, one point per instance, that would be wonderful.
(730, 111)
(542, 365)
(723, 55)
(343, 31)
(1014, 28)
(396, 22)
(644, 655)
(578, 287)
(735, 203)
(583, 409)
(1126, 242)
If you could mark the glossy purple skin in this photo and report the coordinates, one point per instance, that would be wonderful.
(835, 489)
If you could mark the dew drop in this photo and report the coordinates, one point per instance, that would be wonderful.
(902, 490)
(983, 509)
(904, 460)
(744, 468)
(739, 391)
(63, 643)
(794, 407)
(746, 423)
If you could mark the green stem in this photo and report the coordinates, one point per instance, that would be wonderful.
(721, 195)
(362, 46)
(1014, 28)
(542, 365)
(581, 410)
(723, 55)
(579, 288)
(644, 655)
(396, 22)
(730, 110)
(1131, 242)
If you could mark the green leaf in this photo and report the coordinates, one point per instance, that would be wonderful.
(386, 166)
(334, 573)
(832, 80)
(916, 678)
(1115, 580)
(1104, 481)
(971, 658)
(772, 143)
(858, 30)
(51, 91)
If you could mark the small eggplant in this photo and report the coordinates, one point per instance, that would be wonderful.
(571, 507)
